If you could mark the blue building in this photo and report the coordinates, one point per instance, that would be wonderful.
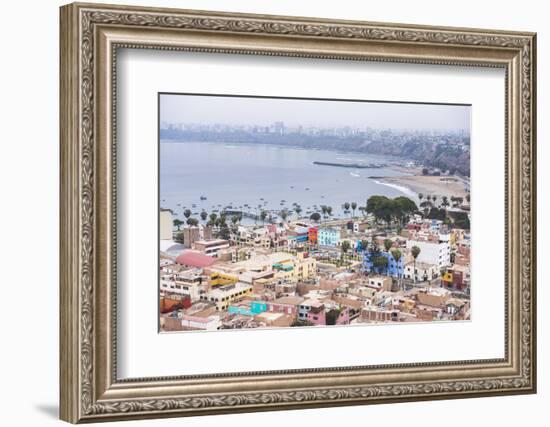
(328, 237)
(394, 268)
(249, 309)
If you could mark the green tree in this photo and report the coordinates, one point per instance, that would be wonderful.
(461, 220)
(415, 251)
(178, 223)
(263, 216)
(204, 215)
(353, 207)
(192, 222)
(283, 214)
(329, 210)
(179, 238)
(315, 216)
(345, 247)
(213, 218)
(187, 213)
(403, 208)
(331, 316)
(380, 262)
(436, 213)
(224, 232)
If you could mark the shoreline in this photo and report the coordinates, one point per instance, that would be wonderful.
(405, 190)
(427, 185)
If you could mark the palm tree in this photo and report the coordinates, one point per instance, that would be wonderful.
(187, 213)
(346, 207)
(283, 214)
(213, 218)
(298, 210)
(263, 216)
(434, 198)
(445, 203)
(329, 210)
(345, 246)
(353, 207)
(178, 223)
(324, 210)
(420, 197)
(396, 254)
(415, 251)
(204, 215)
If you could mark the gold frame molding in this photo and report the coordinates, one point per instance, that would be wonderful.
(90, 37)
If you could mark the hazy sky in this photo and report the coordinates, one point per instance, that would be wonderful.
(262, 111)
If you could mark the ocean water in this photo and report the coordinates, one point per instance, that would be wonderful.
(254, 177)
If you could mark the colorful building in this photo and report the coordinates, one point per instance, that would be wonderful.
(312, 235)
(223, 296)
(248, 308)
(394, 268)
(328, 236)
(286, 305)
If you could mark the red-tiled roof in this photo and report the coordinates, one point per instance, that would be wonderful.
(195, 259)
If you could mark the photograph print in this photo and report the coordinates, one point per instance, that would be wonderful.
(301, 212)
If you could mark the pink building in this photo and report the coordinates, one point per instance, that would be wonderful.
(343, 319)
(286, 305)
(316, 314)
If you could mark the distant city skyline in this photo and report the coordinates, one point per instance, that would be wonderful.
(239, 111)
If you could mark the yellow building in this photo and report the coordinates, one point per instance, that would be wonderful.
(294, 268)
(220, 279)
(223, 296)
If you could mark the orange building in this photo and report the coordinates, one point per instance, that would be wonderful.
(312, 234)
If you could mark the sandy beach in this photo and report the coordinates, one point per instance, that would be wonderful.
(429, 185)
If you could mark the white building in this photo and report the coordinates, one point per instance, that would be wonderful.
(436, 253)
(165, 224)
(183, 283)
(211, 247)
(377, 282)
(209, 323)
(423, 271)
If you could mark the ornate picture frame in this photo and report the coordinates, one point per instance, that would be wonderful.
(90, 37)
